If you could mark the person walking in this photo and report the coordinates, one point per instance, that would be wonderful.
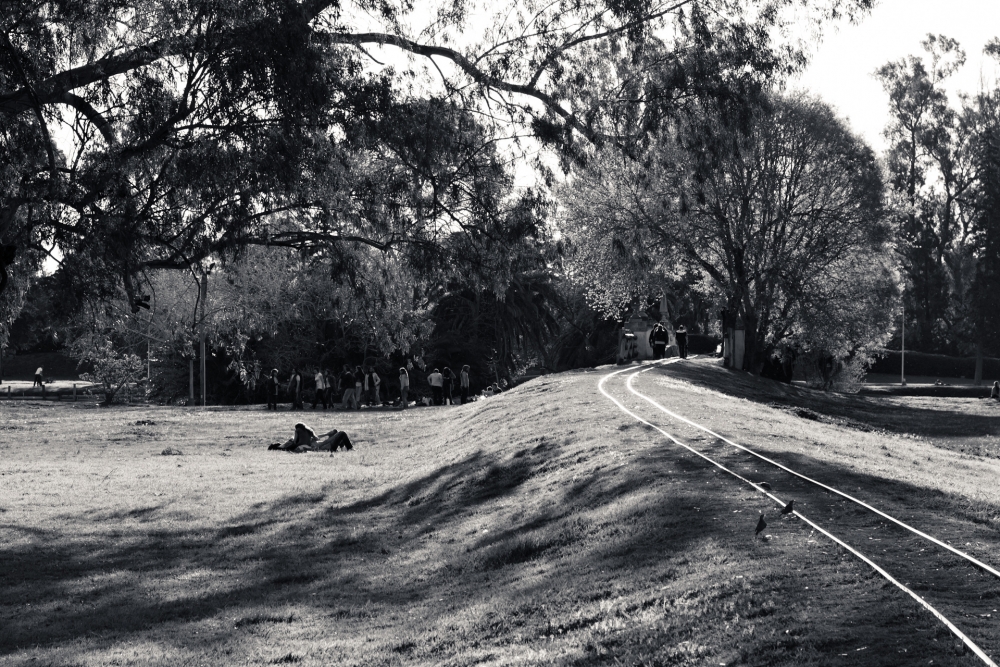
(659, 339)
(404, 387)
(271, 385)
(38, 378)
(295, 389)
(464, 383)
(436, 381)
(320, 396)
(347, 383)
(447, 382)
(995, 391)
(372, 382)
(682, 341)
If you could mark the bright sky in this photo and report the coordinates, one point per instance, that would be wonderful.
(842, 67)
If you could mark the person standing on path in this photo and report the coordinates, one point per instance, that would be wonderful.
(404, 387)
(331, 386)
(436, 381)
(682, 341)
(320, 395)
(271, 385)
(295, 389)
(347, 383)
(38, 378)
(372, 382)
(448, 381)
(464, 382)
(359, 386)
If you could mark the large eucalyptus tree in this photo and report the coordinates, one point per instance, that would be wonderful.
(138, 134)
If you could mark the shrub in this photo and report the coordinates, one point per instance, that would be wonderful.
(113, 371)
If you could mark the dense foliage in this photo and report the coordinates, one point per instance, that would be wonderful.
(381, 142)
(783, 222)
(942, 162)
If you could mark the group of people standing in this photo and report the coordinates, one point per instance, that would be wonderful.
(359, 385)
(443, 385)
(362, 385)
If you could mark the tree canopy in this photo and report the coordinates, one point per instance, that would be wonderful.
(148, 134)
(784, 222)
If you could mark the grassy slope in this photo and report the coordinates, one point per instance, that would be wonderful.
(538, 527)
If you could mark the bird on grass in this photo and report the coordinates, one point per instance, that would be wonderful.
(764, 485)
(788, 509)
(761, 525)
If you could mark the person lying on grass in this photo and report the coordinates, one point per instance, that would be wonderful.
(306, 440)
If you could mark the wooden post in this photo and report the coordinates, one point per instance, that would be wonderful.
(190, 380)
(74, 392)
(204, 297)
(902, 348)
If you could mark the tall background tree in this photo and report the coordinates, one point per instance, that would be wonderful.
(783, 220)
(933, 174)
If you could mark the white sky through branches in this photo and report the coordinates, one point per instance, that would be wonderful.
(843, 64)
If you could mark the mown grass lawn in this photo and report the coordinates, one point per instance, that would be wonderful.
(542, 526)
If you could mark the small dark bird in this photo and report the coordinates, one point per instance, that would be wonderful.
(788, 509)
(764, 485)
(761, 525)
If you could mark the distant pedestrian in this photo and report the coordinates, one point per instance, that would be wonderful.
(347, 383)
(659, 338)
(320, 396)
(295, 389)
(464, 383)
(331, 385)
(448, 381)
(372, 383)
(682, 341)
(995, 392)
(38, 378)
(359, 386)
(404, 387)
(436, 381)
(271, 385)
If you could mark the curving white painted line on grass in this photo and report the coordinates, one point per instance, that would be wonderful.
(972, 559)
(888, 577)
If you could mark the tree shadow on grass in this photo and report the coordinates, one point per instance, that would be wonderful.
(344, 558)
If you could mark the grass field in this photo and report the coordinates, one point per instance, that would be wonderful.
(541, 526)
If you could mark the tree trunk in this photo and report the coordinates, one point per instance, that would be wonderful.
(753, 355)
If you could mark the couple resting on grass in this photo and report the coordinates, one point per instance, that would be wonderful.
(306, 440)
